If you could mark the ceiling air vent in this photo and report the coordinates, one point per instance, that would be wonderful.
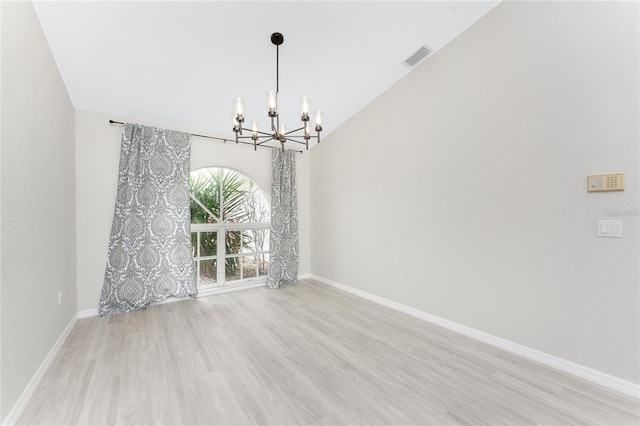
(418, 56)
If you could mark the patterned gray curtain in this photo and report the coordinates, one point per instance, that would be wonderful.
(283, 263)
(150, 255)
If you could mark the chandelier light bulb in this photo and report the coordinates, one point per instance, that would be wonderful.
(254, 131)
(272, 103)
(305, 107)
(238, 104)
(319, 117)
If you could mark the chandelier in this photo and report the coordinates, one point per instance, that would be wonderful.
(279, 131)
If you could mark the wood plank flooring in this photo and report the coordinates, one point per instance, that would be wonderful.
(304, 354)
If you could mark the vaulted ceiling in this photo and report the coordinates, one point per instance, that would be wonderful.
(182, 62)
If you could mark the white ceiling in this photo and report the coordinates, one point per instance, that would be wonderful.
(182, 62)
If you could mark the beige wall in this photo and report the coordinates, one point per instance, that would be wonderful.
(98, 150)
(513, 115)
(37, 201)
(470, 176)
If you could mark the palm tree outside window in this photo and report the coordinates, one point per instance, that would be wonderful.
(229, 226)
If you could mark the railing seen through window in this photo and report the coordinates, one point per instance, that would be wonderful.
(229, 226)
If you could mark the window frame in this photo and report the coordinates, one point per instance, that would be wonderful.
(222, 228)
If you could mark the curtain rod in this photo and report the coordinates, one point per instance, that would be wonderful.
(223, 140)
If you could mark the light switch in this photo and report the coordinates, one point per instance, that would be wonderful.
(604, 227)
(614, 228)
(610, 228)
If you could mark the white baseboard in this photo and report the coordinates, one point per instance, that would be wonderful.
(202, 293)
(19, 406)
(221, 290)
(88, 313)
(595, 376)
(611, 382)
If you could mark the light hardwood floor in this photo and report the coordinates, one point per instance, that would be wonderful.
(305, 354)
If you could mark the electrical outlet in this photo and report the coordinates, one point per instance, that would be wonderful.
(400, 275)
(59, 298)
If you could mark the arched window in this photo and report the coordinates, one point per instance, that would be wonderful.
(229, 226)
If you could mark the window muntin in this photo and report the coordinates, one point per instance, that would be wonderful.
(229, 222)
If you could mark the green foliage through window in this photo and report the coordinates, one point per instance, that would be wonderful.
(224, 196)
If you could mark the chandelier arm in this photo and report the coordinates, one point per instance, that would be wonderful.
(302, 137)
(266, 137)
(295, 141)
(295, 130)
(256, 131)
(250, 143)
(262, 143)
(297, 138)
(248, 137)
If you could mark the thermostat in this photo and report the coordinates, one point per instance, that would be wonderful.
(605, 182)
